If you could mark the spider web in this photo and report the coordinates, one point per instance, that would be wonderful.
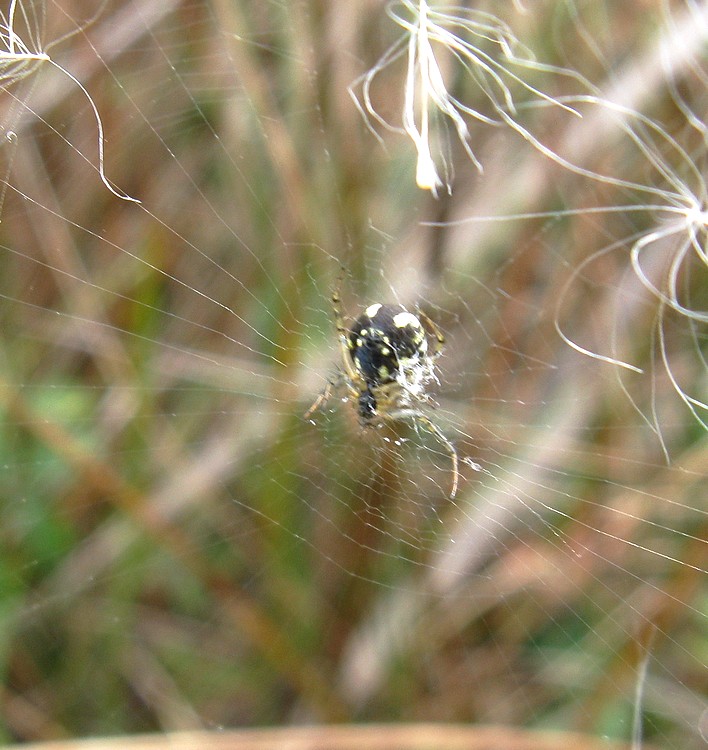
(181, 548)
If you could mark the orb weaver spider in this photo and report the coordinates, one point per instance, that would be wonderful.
(387, 365)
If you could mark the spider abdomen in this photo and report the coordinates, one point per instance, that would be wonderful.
(384, 341)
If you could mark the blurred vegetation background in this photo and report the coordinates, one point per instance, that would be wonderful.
(179, 548)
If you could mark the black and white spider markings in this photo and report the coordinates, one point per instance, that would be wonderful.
(389, 358)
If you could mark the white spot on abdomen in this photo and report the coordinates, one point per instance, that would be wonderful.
(403, 319)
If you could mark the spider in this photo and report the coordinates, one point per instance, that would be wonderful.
(387, 365)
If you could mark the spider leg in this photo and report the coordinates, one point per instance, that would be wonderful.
(449, 447)
(350, 377)
(343, 332)
(320, 401)
(337, 305)
(432, 330)
(324, 397)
